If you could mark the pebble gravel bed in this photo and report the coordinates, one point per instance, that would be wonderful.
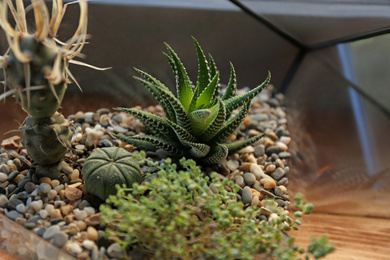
(62, 212)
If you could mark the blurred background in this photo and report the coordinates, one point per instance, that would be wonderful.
(330, 58)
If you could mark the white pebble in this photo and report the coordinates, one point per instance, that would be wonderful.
(3, 177)
(52, 194)
(80, 214)
(49, 208)
(285, 139)
(44, 188)
(257, 171)
(88, 244)
(21, 208)
(90, 211)
(43, 213)
(74, 248)
(36, 205)
(282, 146)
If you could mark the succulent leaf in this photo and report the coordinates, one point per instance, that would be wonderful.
(198, 150)
(203, 68)
(213, 66)
(216, 125)
(197, 118)
(231, 125)
(151, 143)
(234, 102)
(209, 93)
(154, 124)
(238, 145)
(183, 82)
(232, 84)
(218, 153)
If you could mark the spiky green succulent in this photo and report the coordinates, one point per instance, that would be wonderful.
(198, 121)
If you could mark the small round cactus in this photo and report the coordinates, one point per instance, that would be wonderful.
(107, 167)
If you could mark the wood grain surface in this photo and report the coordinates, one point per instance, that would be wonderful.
(355, 238)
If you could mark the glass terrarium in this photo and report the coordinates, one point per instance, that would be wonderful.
(328, 61)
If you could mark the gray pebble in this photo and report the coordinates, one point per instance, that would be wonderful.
(249, 178)
(272, 149)
(11, 188)
(12, 175)
(278, 173)
(11, 204)
(283, 181)
(34, 219)
(44, 188)
(259, 150)
(284, 155)
(40, 231)
(21, 208)
(13, 214)
(115, 251)
(107, 143)
(246, 195)
(50, 232)
(5, 169)
(83, 204)
(278, 191)
(22, 183)
(60, 239)
(280, 202)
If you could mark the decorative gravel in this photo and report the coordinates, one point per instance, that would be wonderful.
(63, 213)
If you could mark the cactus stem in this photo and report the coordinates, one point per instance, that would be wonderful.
(27, 76)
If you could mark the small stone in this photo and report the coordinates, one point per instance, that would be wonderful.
(272, 149)
(284, 155)
(12, 203)
(246, 195)
(49, 208)
(21, 221)
(3, 177)
(50, 232)
(268, 183)
(60, 239)
(283, 181)
(80, 214)
(257, 171)
(278, 191)
(239, 180)
(233, 164)
(12, 175)
(88, 244)
(43, 213)
(270, 168)
(36, 205)
(52, 194)
(249, 178)
(282, 146)
(93, 220)
(84, 204)
(248, 149)
(44, 187)
(55, 214)
(259, 150)
(21, 208)
(73, 229)
(74, 248)
(55, 183)
(11, 143)
(115, 251)
(59, 188)
(265, 211)
(66, 209)
(67, 169)
(13, 214)
(81, 225)
(72, 193)
(278, 173)
(285, 139)
(255, 201)
(29, 187)
(92, 233)
(74, 175)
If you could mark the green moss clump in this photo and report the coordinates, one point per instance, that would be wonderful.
(175, 215)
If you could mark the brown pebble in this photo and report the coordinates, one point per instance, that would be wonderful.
(55, 214)
(52, 194)
(62, 194)
(93, 220)
(268, 183)
(11, 143)
(45, 180)
(245, 166)
(73, 229)
(83, 256)
(92, 233)
(74, 175)
(80, 224)
(270, 168)
(66, 209)
(69, 218)
(29, 187)
(83, 236)
(72, 193)
(253, 132)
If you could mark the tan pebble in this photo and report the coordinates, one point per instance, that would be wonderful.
(83, 236)
(92, 233)
(255, 201)
(73, 194)
(270, 168)
(93, 220)
(232, 138)
(11, 143)
(251, 158)
(75, 174)
(80, 224)
(55, 183)
(52, 194)
(283, 188)
(67, 169)
(21, 221)
(232, 164)
(75, 185)
(129, 147)
(19, 178)
(271, 134)
(256, 170)
(59, 188)
(279, 163)
(83, 256)
(55, 214)
(49, 208)
(245, 166)
(62, 194)
(69, 218)
(248, 149)
(267, 141)
(253, 132)
(285, 139)
(45, 180)
(268, 183)
(73, 229)
(282, 146)
(246, 121)
(66, 210)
